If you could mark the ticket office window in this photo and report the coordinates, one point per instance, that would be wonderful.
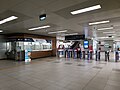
(39, 45)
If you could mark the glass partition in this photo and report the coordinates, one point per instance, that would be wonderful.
(37, 45)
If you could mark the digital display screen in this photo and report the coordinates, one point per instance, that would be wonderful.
(75, 37)
(86, 44)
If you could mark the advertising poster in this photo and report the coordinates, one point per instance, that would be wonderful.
(27, 55)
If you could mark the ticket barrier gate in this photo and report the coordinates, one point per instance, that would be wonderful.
(80, 55)
(91, 55)
(116, 56)
(61, 53)
(83, 54)
(66, 54)
(75, 54)
(106, 56)
(88, 55)
(70, 51)
(97, 55)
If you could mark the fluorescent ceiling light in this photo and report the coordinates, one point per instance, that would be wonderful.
(100, 22)
(109, 32)
(117, 40)
(1, 31)
(57, 32)
(86, 9)
(102, 37)
(8, 19)
(105, 28)
(117, 35)
(42, 27)
(70, 34)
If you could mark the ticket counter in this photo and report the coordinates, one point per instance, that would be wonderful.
(40, 46)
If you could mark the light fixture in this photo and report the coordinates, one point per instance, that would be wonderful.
(1, 31)
(42, 17)
(105, 28)
(70, 34)
(100, 22)
(41, 27)
(117, 35)
(117, 40)
(102, 37)
(109, 32)
(57, 32)
(86, 9)
(8, 19)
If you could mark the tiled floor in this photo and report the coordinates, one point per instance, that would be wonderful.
(60, 74)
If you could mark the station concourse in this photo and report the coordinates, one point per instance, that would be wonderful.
(59, 45)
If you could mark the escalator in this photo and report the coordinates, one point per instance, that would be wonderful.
(75, 45)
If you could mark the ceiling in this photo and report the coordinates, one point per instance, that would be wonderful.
(59, 16)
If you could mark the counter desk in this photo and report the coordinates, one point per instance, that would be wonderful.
(41, 53)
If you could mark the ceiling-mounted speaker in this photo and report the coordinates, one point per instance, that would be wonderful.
(42, 17)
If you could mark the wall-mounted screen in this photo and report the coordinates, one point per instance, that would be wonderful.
(86, 44)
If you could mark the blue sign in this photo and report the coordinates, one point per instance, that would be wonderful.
(86, 44)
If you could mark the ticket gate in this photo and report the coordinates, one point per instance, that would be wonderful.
(116, 56)
(80, 55)
(96, 55)
(61, 53)
(75, 54)
(66, 54)
(106, 56)
(99, 55)
(88, 55)
(70, 52)
(91, 55)
(83, 54)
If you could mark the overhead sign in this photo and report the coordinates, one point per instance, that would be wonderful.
(75, 37)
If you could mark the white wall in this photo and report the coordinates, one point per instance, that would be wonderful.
(2, 47)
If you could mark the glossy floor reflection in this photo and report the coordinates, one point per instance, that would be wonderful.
(60, 74)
